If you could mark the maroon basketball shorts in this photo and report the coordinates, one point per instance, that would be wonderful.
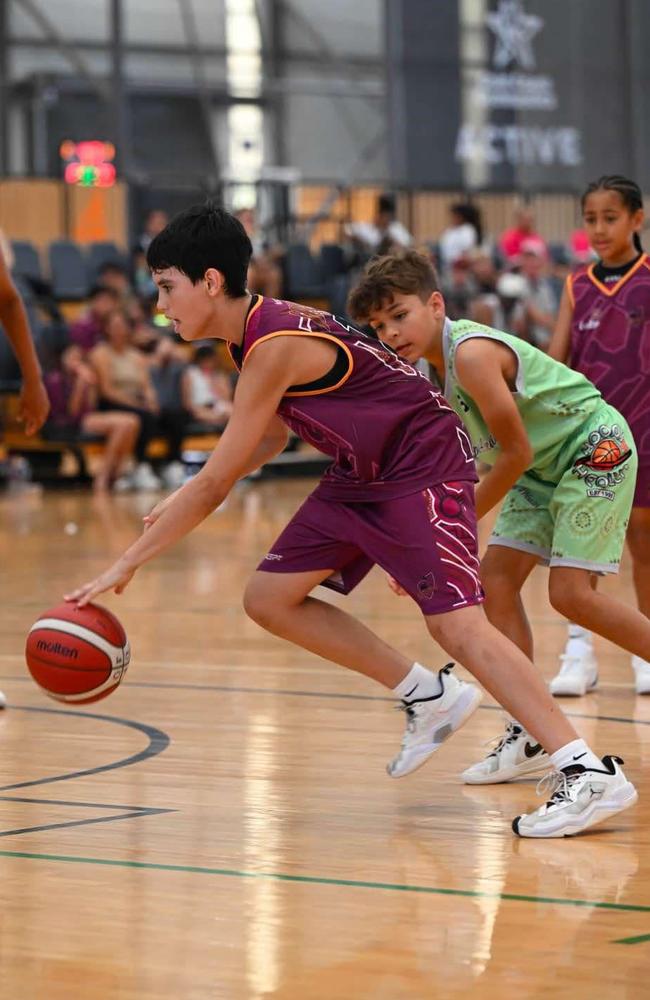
(426, 541)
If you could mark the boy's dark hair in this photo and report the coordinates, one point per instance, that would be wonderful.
(405, 273)
(202, 237)
(628, 191)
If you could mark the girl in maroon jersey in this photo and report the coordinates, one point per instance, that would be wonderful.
(603, 331)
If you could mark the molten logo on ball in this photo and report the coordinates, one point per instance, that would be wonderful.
(77, 655)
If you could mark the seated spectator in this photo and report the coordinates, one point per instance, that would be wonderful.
(154, 222)
(264, 271)
(89, 329)
(115, 276)
(485, 306)
(384, 234)
(209, 389)
(124, 384)
(169, 375)
(145, 334)
(523, 229)
(462, 235)
(72, 389)
(534, 317)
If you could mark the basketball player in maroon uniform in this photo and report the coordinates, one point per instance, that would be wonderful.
(603, 331)
(399, 493)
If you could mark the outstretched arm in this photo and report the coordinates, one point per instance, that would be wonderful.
(486, 370)
(34, 404)
(241, 448)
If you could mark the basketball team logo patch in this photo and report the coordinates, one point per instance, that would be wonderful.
(601, 466)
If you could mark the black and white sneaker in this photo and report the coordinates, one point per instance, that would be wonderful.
(580, 798)
(430, 721)
(516, 755)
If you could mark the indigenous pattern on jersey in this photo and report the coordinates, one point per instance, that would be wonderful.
(553, 401)
(610, 344)
(388, 429)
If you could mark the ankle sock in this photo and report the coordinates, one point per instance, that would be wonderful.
(575, 752)
(578, 632)
(418, 683)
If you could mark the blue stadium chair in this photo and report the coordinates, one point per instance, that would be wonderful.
(100, 253)
(27, 263)
(332, 261)
(303, 274)
(68, 270)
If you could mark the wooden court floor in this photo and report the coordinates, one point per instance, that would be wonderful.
(223, 827)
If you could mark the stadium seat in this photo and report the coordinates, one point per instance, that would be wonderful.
(27, 263)
(100, 253)
(303, 274)
(68, 270)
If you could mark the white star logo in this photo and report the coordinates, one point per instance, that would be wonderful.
(514, 30)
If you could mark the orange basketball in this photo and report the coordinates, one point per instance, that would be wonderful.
(77, 655)
(606, 453)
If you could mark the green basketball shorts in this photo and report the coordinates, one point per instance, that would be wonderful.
(582, 519)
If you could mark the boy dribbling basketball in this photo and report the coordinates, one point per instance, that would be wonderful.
(399, 493)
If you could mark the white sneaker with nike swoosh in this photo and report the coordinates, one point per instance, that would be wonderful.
(580, 797)
(516, 755)
(430, 721)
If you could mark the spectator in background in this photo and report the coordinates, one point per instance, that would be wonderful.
(464, 233)
(72, 389)
(116, 276)
(169, 376)
(534, 316)
(89, 329)
(523, 229)
(485, 306)
(209, 389)
(155, 221)
(264, 271)
(34, 404)
(384, 234)
(124, 384)
(145, 334)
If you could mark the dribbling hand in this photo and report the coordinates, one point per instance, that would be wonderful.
(116, 578)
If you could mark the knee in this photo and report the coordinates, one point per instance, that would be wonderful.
(128, 424)
(261, 605)
(568, 597)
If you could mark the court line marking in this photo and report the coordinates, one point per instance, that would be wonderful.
(284, 692)
(323, 880)
(639, 939)
(158, 742)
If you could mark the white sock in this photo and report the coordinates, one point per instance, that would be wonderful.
(418, 683)
(578, 632)
(575, 752)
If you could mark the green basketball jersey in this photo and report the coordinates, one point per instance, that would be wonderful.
(554, 401)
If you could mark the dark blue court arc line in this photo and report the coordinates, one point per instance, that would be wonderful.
(158, 742)
(335, 695)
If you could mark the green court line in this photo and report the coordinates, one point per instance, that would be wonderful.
(321, 880)
(633, 940)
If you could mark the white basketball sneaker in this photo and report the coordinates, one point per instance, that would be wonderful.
(430, 721)
(641, 675)
(579, 671)
(515, 755)
(580, 798)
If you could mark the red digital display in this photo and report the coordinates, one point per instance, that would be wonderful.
(89, 163)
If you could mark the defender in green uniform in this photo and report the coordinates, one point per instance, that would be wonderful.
(562, 460)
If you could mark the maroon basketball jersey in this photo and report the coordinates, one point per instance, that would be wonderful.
(610, 342)
(389, 431)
